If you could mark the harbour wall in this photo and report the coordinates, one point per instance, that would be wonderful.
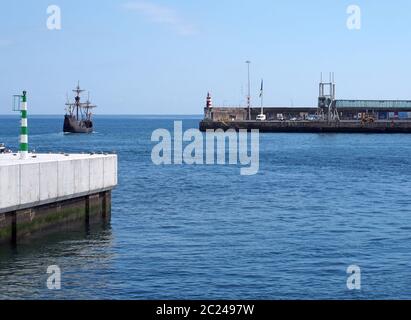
(241, 114)
(346, 112)
(310, 126)
(51, 191)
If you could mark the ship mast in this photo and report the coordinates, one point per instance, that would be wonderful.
(88, 107)
(78, 91)
(80, 110)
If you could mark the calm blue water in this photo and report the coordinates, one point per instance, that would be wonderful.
(319, 204)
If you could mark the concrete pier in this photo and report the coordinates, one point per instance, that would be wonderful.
(311, 126)
(50, 191)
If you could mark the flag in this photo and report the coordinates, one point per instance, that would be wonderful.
(262, 89)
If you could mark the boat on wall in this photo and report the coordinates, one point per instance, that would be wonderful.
(78, 118)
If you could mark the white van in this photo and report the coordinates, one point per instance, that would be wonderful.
(261, 117)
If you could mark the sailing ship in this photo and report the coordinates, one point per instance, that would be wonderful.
(78, 114)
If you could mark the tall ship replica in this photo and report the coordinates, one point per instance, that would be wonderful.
(78, 114)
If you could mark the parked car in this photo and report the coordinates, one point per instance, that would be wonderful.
(313, 117)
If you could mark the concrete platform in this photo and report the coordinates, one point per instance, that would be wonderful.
(56, 187)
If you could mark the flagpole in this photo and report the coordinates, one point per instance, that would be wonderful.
(262, 96)
(249, 91)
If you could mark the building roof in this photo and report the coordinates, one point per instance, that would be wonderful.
(377, 105)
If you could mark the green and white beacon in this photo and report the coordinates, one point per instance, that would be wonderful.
(24, 140)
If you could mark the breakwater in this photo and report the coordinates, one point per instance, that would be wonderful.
(50, 191)
(310, 126)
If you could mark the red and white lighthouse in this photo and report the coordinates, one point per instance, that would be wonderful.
(209, 104)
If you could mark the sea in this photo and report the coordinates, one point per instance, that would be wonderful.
(319, 205)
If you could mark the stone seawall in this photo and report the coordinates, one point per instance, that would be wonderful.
(36, 221)
(310, 126)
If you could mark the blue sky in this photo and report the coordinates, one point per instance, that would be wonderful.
(161, 57)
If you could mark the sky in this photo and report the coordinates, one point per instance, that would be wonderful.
(161, 57)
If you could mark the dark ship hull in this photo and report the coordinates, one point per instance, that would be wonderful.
(72, 125)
